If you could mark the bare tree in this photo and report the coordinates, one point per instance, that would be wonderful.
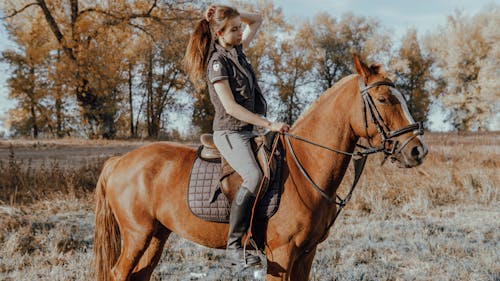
(412, 69)
(467, 56)
(336, 40)
(292, 65)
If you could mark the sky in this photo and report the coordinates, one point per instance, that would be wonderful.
(398, 15)
(395, 15)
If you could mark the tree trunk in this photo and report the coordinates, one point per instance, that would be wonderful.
(59, 118)
(33, 102)
(133, 132)
(33, 121)
(153, 126)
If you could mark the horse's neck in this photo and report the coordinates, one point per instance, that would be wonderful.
(327, 124)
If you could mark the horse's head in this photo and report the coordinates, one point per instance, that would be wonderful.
(384, 119)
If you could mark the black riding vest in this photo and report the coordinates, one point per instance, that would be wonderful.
(233, 66)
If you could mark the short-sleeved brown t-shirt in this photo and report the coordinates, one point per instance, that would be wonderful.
(232, 65)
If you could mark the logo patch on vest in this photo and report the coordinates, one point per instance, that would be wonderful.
(216, 66)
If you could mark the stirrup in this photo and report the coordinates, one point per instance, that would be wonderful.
(236, 257)
(251, 260)
(246, 254)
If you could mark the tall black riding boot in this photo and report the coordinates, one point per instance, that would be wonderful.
(239, 220)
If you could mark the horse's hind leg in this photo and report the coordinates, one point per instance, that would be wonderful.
(135, 242)
(151, 256)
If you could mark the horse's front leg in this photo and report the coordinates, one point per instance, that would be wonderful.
(302, 266)
(284, 263)
(279, 262)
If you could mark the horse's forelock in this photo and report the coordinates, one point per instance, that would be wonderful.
(376, 69)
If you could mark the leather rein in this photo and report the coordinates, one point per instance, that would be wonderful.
(359, 157)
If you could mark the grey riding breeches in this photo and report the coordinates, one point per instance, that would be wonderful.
(236, 148)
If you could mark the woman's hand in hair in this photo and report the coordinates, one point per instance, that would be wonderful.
(210, 12)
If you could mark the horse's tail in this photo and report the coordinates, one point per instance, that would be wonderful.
(107, 245)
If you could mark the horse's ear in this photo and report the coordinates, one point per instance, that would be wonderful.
(361, 68)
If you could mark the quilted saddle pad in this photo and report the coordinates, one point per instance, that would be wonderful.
(207, 202)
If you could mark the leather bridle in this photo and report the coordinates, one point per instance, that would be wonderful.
(387, 145)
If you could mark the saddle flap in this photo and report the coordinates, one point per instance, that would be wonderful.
(230, 181)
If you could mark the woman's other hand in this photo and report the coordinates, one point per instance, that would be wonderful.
(279, 127)
(210, 12)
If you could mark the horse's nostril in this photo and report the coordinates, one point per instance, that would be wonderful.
(417, 152)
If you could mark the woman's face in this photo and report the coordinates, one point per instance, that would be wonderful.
(233, 32)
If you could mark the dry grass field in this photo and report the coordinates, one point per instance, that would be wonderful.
(439, 221)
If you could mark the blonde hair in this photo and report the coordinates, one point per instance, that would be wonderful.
(202, 38)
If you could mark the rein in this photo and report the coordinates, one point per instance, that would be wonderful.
(359, 159)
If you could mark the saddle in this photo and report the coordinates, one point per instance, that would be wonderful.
(213, 182)
(230, 180)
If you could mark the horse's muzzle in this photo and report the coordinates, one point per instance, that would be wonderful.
(412, 155)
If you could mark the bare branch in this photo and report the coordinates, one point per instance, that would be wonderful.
(143, 30)
(151, 9)
(19, 11)
(74, 12)
(148, 14)
(55, 29)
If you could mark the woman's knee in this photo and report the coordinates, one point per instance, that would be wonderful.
(252, 180)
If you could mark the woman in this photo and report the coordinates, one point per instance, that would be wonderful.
(215, 52)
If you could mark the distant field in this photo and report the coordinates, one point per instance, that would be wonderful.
(439, 221)
(71, 153)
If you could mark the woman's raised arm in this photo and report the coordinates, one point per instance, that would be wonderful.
(253, 22)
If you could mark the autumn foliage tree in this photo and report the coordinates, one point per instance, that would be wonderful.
(32, 83)
(292, 64)
(112, 68)
(163, 79)
(94, 39)
(23, 84)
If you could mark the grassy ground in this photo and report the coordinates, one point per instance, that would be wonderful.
(439, 221)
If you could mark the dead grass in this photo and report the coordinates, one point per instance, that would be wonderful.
(22, 182)
(458, 170)
(438, 221)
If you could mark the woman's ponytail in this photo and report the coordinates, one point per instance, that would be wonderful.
(196, 58)
(197, 52)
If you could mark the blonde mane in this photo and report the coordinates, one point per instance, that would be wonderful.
(329, 92)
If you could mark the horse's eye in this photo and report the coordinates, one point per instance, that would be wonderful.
(381, 99)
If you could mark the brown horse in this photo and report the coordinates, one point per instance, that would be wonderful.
(141, 196)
